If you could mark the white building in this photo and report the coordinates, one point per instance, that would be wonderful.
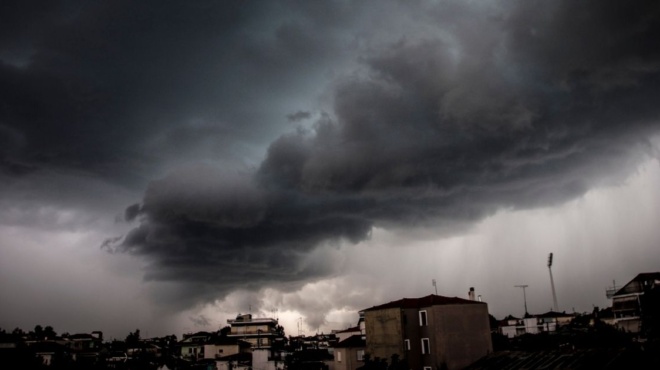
(533, 324)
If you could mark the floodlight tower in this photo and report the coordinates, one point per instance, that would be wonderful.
(552, 284)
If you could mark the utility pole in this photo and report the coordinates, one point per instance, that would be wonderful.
(435, 286)
(552, 284)
(524, 296)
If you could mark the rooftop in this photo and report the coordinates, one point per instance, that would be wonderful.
(636, 285)
(355, 328)
(247, 319)
(615, 358)
(354, 341)
(429, 300)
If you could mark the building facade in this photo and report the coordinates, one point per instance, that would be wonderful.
(432, 332)
(260, 332)
(636, 305)
(349, 353)
(533, 324)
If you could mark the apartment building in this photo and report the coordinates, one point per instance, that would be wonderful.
(260, 332)
(429, 333)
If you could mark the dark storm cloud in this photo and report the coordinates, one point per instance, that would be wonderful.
(107, 88)
(298, 116)
(131, 212)
(218, 230)
(452, 111)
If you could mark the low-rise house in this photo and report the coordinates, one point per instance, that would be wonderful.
(192, 345)
(86, 348)
(218, 347)
(349, 353)
(325, 341)
(267, 359)
(347, 333)
(605, 315)
(550, 321)
(50, 352)
(309, 359)
(237, 361)
(143, 348)
(511, 326)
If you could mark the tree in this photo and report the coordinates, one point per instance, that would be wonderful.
(397, 364)
(49, 332)
(39, 331)
(133, 338)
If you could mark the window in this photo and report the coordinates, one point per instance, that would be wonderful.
(360, 355)
(422, 318)
(338, 356)
(406, 344)
(426, 346)
(427, 368)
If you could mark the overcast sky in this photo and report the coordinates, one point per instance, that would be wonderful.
(167, 165)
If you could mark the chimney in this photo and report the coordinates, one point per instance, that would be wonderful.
(471, 294)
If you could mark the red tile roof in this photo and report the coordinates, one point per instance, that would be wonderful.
(429, 300)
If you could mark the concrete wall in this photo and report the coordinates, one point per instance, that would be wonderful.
(384, 329)
(224, 365)
(260, 360)
(348, 359)
(213, 350)
(414, 333)
(629, 325)
(460, 334)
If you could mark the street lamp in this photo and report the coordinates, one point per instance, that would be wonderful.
(524, 296)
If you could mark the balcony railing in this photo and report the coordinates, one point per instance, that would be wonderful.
(251, 332)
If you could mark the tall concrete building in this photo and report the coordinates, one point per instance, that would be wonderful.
(259, 332)
(636, 306)
(429, 333)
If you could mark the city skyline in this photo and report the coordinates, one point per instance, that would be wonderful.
(166, 166)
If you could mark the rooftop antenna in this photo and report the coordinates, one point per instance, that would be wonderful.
(609, 292)
(552, 284)
(524, 296)
(435, 286)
